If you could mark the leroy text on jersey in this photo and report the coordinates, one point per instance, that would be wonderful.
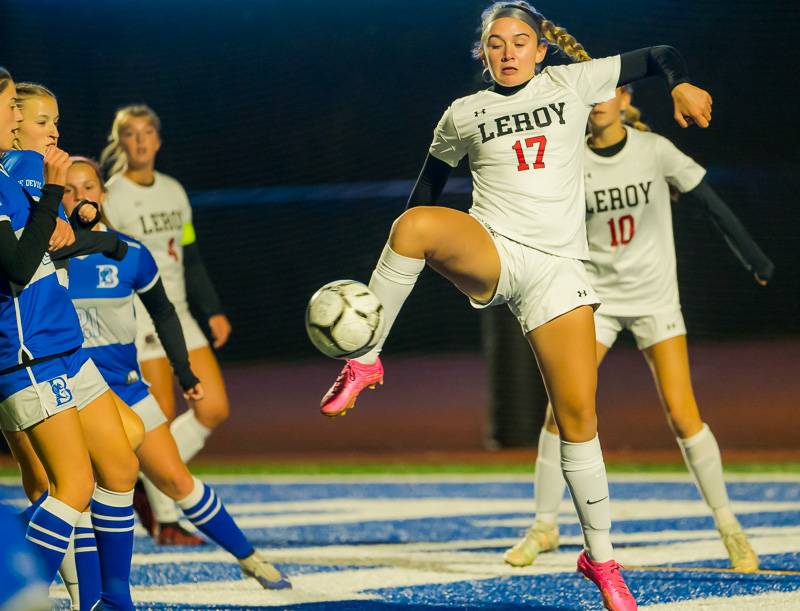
(617, 199)
(522, 122)
(156, 222)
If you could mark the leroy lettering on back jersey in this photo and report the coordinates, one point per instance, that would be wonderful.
(525, 152)
(629, 223)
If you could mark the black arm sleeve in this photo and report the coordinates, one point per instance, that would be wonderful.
(430, 183)
(21, 257)
(199, 289)
(168, 327)
(739, 241)
(77, 222)
(88, 242)
(661, 61)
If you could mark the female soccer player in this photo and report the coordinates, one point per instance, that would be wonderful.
(49, 387)
(524, 238)
(102, 291)
(628, 174)
(153, 207)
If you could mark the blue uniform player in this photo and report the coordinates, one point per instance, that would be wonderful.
(103, 290)
(45, 378)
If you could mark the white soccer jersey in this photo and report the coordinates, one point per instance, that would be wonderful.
(156, 216)
(629, 221)
(525, 153)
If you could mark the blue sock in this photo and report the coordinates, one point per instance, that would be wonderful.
(27, 514)
(87, 562)
(50, 530)
(112, 518)
(204, 509)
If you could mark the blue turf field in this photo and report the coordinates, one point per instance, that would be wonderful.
(417, 542)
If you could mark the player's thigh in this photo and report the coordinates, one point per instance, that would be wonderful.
(669, 362)
(565, 349)
(34, 477)
(60, 444)
(160, 461)
(550, 419)
(454, 244)
(213, 408)
(158, 374)
(113, 460)
(133, 425)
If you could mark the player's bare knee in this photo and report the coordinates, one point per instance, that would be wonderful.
(213, 414)
(119, 474)
(75, 490)
(409, 234)
(577, 421)
(134, 431)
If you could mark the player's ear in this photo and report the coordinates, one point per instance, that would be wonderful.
(541, 51)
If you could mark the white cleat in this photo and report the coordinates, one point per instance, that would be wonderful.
(266, 574)
(541, 537)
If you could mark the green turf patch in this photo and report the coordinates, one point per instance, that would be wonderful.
(378, 468)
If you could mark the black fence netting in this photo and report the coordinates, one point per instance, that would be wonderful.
(283, 120)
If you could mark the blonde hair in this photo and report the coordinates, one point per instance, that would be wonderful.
(26, 91)
(549, 31)
(113, 159)
(632, 115)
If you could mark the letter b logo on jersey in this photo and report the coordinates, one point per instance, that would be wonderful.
(107, 276)
(62, 393)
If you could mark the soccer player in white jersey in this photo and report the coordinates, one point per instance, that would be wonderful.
(525, 236)
(49, 387)
(628, 175)
(153, 207)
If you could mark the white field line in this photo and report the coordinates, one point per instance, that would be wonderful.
(772, 601)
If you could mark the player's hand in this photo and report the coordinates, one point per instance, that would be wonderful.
(56, 164)
(62, 236)
(220, 328)
(195, 393)
(89, 212)
(759, 280)
(692, 105)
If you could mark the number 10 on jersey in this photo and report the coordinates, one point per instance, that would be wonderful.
(540, 142)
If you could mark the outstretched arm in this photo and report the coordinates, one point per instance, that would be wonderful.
(430, 183)
(731, 228)
(692, 104)
(88, 242)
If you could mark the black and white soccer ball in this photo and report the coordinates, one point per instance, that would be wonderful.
(344, 319)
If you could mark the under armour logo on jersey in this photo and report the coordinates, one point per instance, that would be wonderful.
(62, 393)
(107, 276)
(582, 293)
(482, 112)
(671, 326)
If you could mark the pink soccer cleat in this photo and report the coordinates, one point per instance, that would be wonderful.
(354, 378)
(607, 577)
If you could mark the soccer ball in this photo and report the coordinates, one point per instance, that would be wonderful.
(344, 319)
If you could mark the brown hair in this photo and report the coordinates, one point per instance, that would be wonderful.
(5, 79)
(550, 32)
(76, 159)
(113, 159)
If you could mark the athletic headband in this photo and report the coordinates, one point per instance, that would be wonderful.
(517, 13)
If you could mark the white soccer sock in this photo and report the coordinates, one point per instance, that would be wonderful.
(549, 488)
(701, 453)
(582, 464)
(165, 510)
(392, 282)
(69, 575)
(190, 435)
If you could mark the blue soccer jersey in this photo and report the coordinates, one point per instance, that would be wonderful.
(38, 319)
(27, 168)
(102, 291)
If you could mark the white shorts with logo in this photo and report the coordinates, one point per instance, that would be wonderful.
(149, 347)
(33, 394)
(538, 286)
(647, 330)
(150, 412)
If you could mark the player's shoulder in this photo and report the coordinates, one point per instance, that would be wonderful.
(468, 103)
(165, 180)
(116, 183)
(22, 163)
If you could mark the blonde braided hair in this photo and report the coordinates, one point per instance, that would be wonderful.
(549, 31)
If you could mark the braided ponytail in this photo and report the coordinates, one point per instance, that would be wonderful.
(565, 41)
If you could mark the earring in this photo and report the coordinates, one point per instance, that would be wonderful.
(486, 76)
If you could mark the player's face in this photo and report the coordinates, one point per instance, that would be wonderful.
(10, 117)
(140, 140)
(82, 183)
(511, 51)
(608, 113)
(39, 127)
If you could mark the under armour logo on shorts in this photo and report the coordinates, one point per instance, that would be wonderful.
(62, 393)
(132, 377)
(582, 293)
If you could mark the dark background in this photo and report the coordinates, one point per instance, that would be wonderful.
(263, 95)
